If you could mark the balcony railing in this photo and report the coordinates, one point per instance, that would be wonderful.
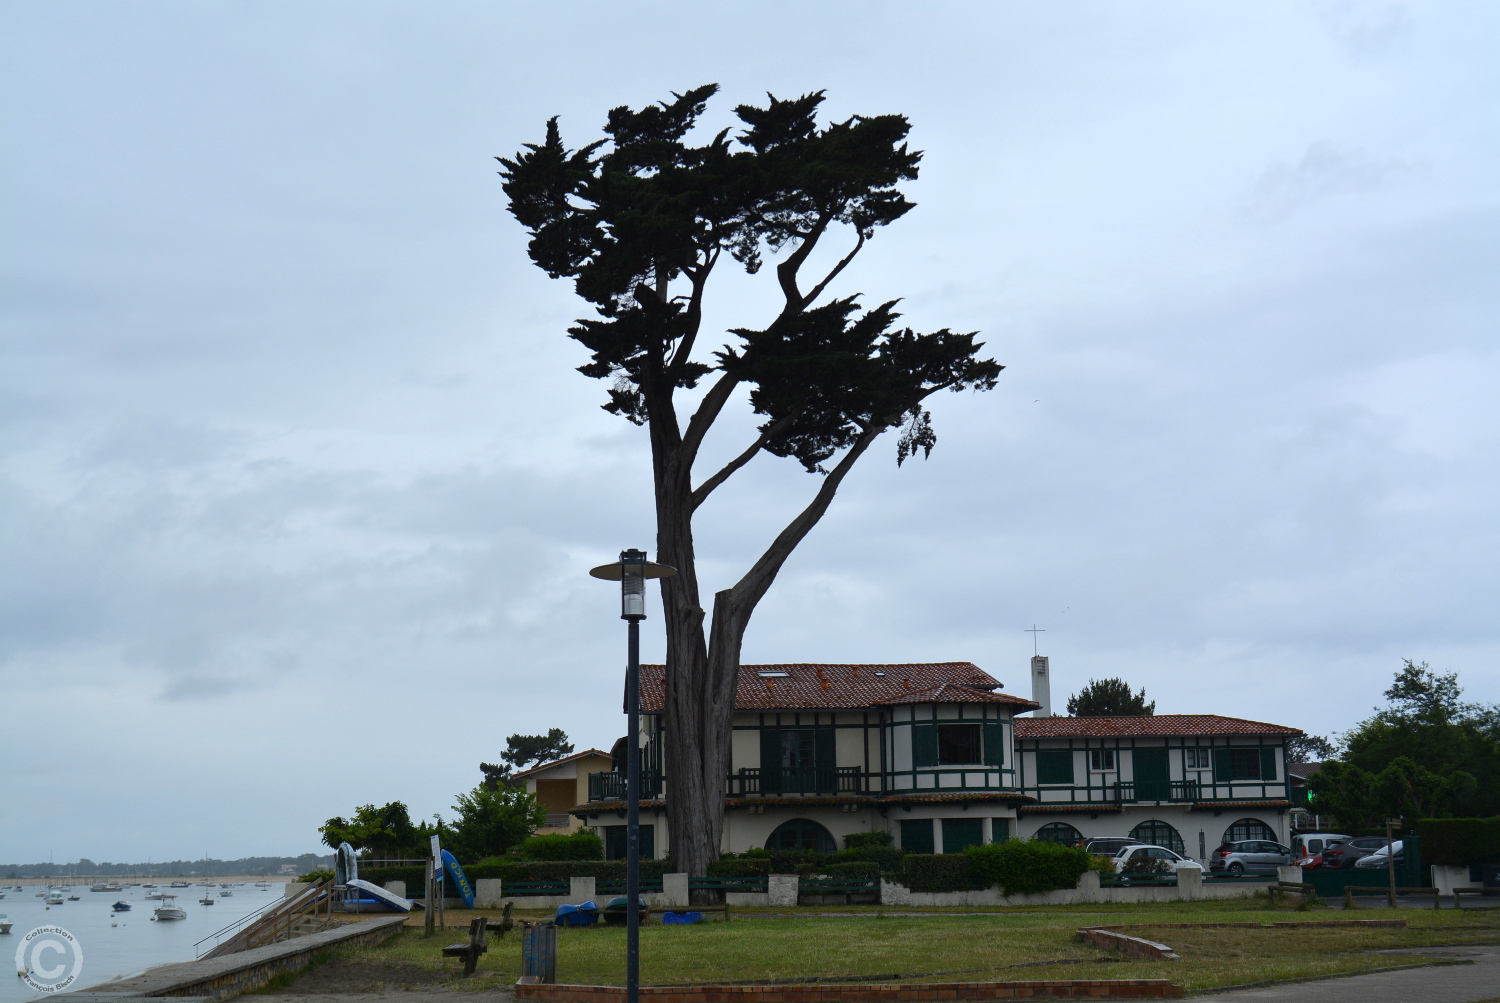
(1158, 790)
(611, 786)
(797, 780)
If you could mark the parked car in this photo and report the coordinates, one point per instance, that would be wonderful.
(1108, 846)
(1250, 856)
(1308, 847)
(1144, 851)
(1380, 857)
(1346, 853)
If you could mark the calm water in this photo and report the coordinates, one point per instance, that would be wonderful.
(120, 944)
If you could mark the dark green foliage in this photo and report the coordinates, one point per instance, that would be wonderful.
(320, 874)
(1459, 841)
(491, 822)
(1028, 867)
(522, 750)
(878, 837)
(939, 872)
(580, 845)
(1309, 749)
(739, 868)
(524, 870)
(1145, 865)
(628, 214)
(852, 869)
(1403, 789)
(1110, 698)
(1428, 724)
(385, 832)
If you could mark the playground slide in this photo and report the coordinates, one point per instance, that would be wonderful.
(371, 890)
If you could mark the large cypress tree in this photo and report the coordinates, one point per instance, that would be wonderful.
(639, 220)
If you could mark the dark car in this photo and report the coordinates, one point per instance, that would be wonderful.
(1346, 853)
(1108, 846)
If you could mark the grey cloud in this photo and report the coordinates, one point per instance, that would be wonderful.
(1325, 170)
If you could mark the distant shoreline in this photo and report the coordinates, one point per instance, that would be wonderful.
(84, 880)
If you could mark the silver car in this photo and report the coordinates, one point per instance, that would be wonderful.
(1250, 856)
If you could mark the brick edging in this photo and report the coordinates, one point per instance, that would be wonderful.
(526, 989)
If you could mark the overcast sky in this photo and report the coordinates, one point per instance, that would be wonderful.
(301, 486)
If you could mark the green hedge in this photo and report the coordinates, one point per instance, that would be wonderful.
(522, 870)
(1459, 841)
(1028, 867)
(739, 868)
(939, 872)
(580, 845)
(853, 869)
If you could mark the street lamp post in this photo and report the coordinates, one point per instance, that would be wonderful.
(632, 571)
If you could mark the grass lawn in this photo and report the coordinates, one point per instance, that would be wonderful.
(1035, 943)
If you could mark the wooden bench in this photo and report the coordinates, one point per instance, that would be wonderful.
(1352, 890)
(1306, 891)
(478, 941)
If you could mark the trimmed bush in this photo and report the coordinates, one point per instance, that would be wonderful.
(580, 845)
(857, 840)
(853, 869)
(739, 868)
(523, 870)
(939, 872)
(1022, 867)
(1459, 841)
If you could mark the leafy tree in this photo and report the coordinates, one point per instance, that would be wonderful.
(1428, 723)
(520, 750)
(491, 822)
(1309, 749)
(386, 831)
(639, 220)
(1110, 698)
(1360, 799)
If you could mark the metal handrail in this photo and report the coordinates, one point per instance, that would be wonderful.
(288, 912)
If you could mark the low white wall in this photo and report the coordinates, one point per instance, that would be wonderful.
(1446, 877)
(489, 893)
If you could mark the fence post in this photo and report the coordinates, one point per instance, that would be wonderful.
(427, 920)
(1348, 897)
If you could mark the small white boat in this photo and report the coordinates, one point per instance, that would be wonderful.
(225, 894)
(157, 896)
(207, 899)
(181, 884)
(4, 924)
(167, 910)
(56, 898)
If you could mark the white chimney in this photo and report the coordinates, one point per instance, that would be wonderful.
(1041, 686)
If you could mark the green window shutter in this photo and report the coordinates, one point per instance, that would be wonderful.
(994, 743)
(1268, 762)
(770, 760)
(916, 835)
(825, 759)
(999, 830)
(924, 745)
(1054, 766)
(1222, 765)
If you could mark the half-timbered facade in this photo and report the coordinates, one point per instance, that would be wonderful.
(924, 751)
(1185, 781)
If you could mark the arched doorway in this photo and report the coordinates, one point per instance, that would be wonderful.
(1159, 833)
(1249, 828)
(800, 834)
(1058, 832)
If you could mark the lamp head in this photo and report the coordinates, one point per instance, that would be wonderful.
(632, 571)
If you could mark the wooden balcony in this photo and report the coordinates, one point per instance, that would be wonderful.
(611, 786)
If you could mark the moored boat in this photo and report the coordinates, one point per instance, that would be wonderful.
(167, 910)
(121, 906)
(56, 898)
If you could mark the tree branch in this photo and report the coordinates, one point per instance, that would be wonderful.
(818, 289)
(708, 412)
(749, 589)
(699, 279)
(701, 493)
(786, 272)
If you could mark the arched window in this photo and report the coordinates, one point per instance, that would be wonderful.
(1058, 832)
(1249, 828)
(1159, 833)
(800, 834)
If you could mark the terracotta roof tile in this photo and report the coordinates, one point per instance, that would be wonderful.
(1161, 724)
(823, 686)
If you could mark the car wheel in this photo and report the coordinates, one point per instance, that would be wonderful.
(1236, 868)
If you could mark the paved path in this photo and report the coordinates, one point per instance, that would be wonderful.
(1473, 983)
